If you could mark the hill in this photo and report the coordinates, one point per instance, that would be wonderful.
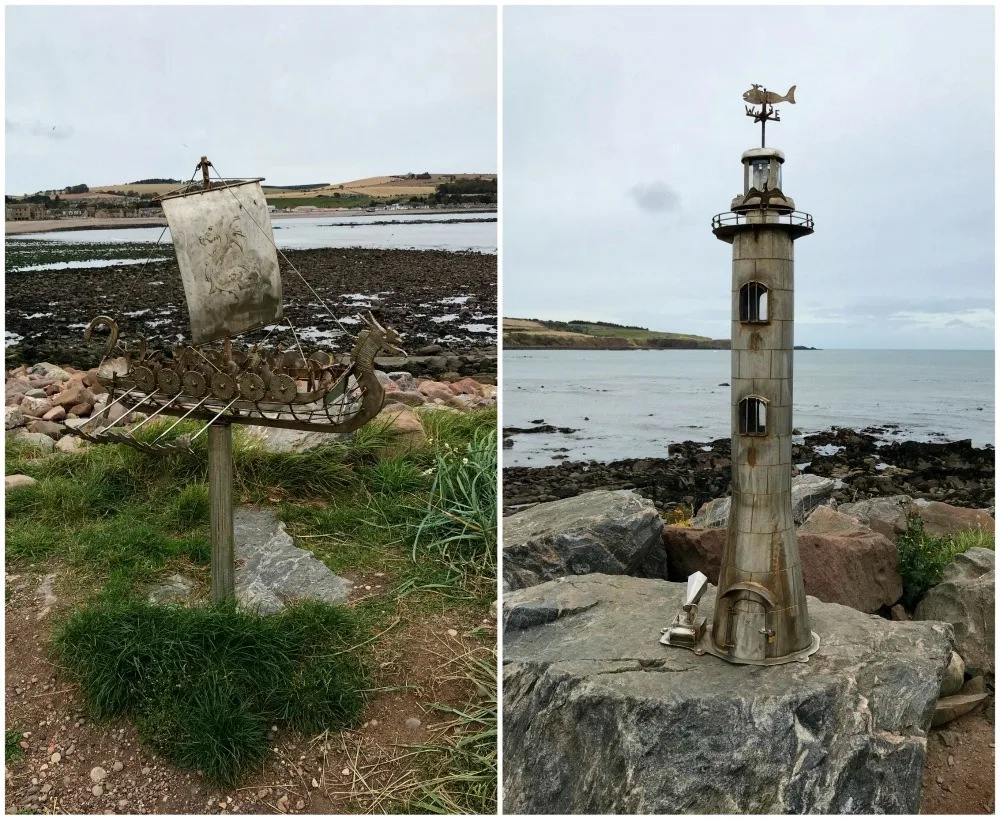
(590, 335)
(398, 185)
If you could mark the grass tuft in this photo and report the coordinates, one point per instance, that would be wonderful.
(12, 747)
(922, 557)
(204, 684)
(458, 530)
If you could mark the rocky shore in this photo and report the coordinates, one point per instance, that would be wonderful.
(696, 472)
(444, 303)
(45, 403)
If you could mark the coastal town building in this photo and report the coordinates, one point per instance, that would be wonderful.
(22, 211)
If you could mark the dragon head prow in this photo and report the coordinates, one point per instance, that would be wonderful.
(390, 339)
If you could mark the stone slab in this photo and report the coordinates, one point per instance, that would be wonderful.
(600, 718)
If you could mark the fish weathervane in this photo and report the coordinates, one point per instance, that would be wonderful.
(758, 95)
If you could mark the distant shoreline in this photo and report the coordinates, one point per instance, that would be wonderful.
(124, 223)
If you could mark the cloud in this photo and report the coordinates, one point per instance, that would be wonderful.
(655, 197)
(38, 129)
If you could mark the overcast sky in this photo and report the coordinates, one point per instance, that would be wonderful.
(110, 94)
(623, 130)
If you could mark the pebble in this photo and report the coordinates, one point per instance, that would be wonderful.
(122, 804)
(46, 788)
(315, 783)
(118, 766)
(413, 723)
(951, 760)
(145, 769)
(56, 757)
(345, 771)
(300, 804)
(97, 774)
(98, 791)
(453, 633)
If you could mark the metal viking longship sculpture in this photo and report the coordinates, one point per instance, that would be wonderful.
(228, 262)
(760, 614)
(229, 266)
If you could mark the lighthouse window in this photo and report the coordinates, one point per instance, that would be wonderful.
(753, 416)
(753, 302)
(760, 169)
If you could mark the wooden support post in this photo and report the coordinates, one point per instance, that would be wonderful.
(220, 489)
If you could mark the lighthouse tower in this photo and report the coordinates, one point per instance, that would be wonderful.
(760, 610)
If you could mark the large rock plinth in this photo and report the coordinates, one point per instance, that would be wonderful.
(612, 531)
(600, 718)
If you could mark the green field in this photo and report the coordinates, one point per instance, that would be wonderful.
(343, 201)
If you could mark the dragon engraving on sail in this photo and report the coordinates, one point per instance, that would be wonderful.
(232, 284)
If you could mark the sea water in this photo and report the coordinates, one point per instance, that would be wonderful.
(423, 231)
(633, 404)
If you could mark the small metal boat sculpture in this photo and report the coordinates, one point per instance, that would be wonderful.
(232, 284)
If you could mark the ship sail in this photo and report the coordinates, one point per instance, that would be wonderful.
(227, 259)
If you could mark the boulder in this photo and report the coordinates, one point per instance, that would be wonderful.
(435, 390)
(38, 441)
(966, 598)
(886, 515)
(37, 393)
(404, 380)
(955, 706)
(34, 407)
(55, 414)
(954, 677)
(176, 589)
(13, 399)
(71, 444)
(411, 398)
(615, 532)
(49, 428)
(83, 409)
(690, 550)
(858, 568)
(409, 430)
(388, 385)
(281, 440)
(12, 417)
(49, 371)
(274, 571)
(828, 521)
(942, 520)
(467, 386)
(600, 718)
(808, 492)
(713, 514)
(17, 481)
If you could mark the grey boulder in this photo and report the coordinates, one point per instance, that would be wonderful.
(610, 531)
(274, 571)
(808, 492)
(966, 599)
(600, 718)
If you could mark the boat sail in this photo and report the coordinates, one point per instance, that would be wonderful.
(228, 263)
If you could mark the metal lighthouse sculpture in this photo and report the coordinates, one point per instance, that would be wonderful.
(760, 612)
